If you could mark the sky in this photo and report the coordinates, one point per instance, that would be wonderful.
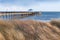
(24, 5)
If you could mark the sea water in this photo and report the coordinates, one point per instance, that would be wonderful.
(43, 16)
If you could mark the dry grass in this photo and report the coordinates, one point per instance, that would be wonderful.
(29, 30)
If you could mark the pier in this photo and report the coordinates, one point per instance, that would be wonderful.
(16, 15)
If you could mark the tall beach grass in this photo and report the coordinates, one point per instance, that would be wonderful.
(29, 30)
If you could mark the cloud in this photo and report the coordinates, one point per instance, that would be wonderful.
(46, 6)
(36, 5)
(12, 8)
(18, 2)
(50, 6)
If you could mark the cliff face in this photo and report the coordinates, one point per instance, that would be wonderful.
(29, 30)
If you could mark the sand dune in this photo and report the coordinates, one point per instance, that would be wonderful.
(29, 30)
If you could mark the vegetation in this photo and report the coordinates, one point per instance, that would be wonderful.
(29, 30)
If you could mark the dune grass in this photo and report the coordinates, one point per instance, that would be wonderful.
(29, 30)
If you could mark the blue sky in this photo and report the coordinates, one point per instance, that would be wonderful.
(24, 5)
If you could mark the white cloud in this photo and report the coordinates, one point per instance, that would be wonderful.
(55, 6)
(12, 8)
(50, 6)
(46, 6)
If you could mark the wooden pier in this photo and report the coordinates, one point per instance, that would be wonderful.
(22, 14)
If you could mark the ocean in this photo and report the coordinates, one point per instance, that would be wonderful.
(43, 16)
